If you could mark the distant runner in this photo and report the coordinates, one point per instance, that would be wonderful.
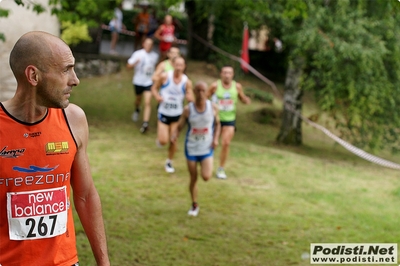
(174, 88)
(166, 65)
(226, 92)
(144, 62)
(166, 35)
(201, 138)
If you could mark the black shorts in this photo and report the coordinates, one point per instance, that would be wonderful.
(228, 123)
(140, 89)
(168, 119)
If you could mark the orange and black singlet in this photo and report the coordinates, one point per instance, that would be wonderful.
(36, 223)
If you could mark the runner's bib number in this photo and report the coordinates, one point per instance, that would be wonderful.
(37, 214)
(169, 38)
(171, 104)
(149, 71)
(142, 27)
(226, 105)
(199, 134)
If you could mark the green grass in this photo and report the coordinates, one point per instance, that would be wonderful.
(276, 201)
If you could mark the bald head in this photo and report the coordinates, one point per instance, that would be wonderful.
(200, 85)
(199, 90)
(35, 48)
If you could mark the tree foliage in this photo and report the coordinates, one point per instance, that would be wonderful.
(353, 67)
(76, 16)
(351, 51)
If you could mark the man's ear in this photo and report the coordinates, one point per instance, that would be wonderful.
(32, 75)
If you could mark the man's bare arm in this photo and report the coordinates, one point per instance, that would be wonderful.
(211, 90)
(243, 98)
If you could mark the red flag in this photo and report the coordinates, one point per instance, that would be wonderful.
(245, 48)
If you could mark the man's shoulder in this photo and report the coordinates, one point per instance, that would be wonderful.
(214, 84)
(73, 111)
(155, 54)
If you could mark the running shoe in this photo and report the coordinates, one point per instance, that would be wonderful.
(144, 128)
(168, 167)
(194, 211)
(135, 116)
(158, 144)
(221, 173)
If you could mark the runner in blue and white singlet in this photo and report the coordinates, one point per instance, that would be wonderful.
(200, 133)
(170, 89)
(172, 95)
(201, 139)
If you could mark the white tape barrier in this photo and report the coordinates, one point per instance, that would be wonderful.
(359, 152)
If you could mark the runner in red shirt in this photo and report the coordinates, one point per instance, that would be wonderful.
(165, 33)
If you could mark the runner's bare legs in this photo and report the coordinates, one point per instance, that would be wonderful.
(227, 133)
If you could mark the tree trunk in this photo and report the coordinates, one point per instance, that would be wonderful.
(198, 26)
(290, 132)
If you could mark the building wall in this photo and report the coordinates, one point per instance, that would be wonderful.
(19, 21)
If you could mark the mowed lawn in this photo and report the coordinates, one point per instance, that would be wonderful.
(276, 200)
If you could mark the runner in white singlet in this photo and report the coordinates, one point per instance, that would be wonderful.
(201, 139)
(143, 61)
(174, 88)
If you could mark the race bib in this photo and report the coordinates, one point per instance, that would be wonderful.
(37, 214)
(142, 27)
(170, 103)
(149, 71)
(226, 105)
(199, 134)
(169, 38)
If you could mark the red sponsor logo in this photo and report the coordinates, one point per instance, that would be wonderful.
(226, 102)
(200, 131)
(35, 203)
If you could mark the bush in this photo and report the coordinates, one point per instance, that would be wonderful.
(260, 95)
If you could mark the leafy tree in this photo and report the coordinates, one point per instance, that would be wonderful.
(344, 51)
(76, 16)
(352, 66)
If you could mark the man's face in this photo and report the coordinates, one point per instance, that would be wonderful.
(173, 52)
(200, 92)
(227, 74)
(148, 45)
(179, 64)
(55, 84)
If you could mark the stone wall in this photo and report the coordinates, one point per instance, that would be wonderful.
(96, 65)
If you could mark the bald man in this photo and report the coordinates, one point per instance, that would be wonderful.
(201, 139)
(43, 141)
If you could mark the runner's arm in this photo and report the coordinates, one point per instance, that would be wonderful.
(159, 80)
(157, 34)
(85, 196)
(243, 98)
(189, 91)
(217, 127)
(211, 90)
(132, 61)
(181, 124)
(159, 69)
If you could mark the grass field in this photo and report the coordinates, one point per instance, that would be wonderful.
(276, 200)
